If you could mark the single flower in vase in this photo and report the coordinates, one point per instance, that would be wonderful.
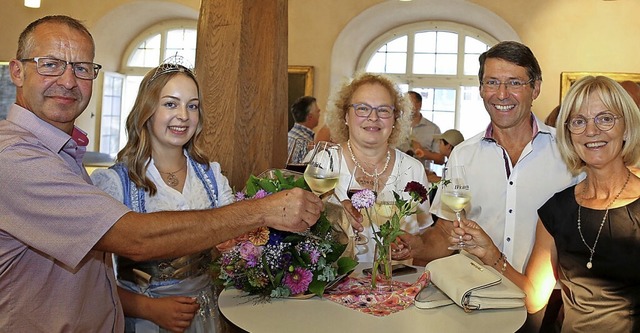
(389, 230)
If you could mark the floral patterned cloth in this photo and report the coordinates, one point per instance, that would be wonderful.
(356, 293)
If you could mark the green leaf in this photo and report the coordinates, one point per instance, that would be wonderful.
(346, 264)
(317, 287)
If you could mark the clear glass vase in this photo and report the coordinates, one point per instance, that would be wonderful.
(381, 275)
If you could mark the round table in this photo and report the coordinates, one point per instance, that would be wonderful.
(322, 315)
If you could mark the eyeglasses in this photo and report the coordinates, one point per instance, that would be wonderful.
(55, 67)
(364, 110)
(604, 122)
(510, 85)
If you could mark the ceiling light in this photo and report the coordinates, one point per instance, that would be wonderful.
(32, 3)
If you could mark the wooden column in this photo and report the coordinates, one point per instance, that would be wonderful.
(241, 63)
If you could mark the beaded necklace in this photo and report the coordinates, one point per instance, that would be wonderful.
(374, 175)
(604, 219)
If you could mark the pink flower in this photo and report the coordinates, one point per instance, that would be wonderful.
(298, 281)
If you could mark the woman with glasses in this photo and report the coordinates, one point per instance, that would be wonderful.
(369, 116)
(588, 235)
(163, 168)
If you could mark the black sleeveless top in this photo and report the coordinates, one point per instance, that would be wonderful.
(605, 298)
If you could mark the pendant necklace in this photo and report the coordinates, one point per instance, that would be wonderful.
(172, 179)
(592, 250)
(376, 174)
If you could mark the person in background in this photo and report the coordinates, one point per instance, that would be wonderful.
(446, 141)
(161, 168)
(53, 271)
(512, 168)
(588, 235)
(306, 115)
(366, 117)
(422, 145)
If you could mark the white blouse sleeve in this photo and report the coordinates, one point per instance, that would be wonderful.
(108, 181)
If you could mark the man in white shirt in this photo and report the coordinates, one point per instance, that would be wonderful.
(512, 168)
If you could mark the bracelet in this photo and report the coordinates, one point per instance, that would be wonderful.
(504, 262)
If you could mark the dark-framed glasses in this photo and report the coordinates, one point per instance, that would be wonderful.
(510, 85)
(604, 121)
(48, 66)
(364, 110)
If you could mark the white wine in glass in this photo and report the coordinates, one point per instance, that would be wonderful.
(456, 195)
(323, 170)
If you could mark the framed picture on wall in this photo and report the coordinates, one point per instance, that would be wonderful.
(7, 90)
(569, 78)
(300, 84)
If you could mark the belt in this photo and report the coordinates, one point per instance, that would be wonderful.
(163, 270)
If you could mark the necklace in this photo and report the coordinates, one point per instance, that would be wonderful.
(172, 179)
(376, 174)
(592, 250)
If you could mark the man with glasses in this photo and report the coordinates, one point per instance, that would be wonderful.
(57, 230)
(513, 167)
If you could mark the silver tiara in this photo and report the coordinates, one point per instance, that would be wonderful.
(175, 63)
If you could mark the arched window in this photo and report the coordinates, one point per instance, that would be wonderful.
(153, 46)
(440, 61)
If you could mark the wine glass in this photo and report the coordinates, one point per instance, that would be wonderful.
(456, 195)
(323, 170)
(358, 182)
(299, 155)
(385, 205)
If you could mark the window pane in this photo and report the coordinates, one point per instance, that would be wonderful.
(182, 42)
(376, 63)
(473, 116)
(446, 64)
(471, 64)
(447, 42)
(424, 63)
(472, 50)
(147, 54)
(425, 42)
(398, 45)
(396, 63)
(472, 45)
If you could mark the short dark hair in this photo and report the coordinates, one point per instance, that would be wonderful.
(301, 108)
(515, 53)
(416, 95)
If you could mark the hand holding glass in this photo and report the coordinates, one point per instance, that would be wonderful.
(323, 170)
(456, 195)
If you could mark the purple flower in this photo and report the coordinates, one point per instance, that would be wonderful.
(314, 255)
(363, 199)
(240, 196)
(261, 194)
(298, 281)
(250, 253)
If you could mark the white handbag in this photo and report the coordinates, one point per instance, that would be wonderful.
(472, 285)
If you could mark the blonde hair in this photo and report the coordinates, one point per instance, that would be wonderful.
(616, 100)
(339, 106)
(136, 153)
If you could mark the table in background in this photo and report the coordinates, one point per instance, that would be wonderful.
(322, 315)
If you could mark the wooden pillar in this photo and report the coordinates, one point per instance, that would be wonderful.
(241, 63)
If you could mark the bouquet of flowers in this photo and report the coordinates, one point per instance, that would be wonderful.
(272, 263)
(390, 230)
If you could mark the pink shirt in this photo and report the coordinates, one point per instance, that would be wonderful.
(51, 217)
